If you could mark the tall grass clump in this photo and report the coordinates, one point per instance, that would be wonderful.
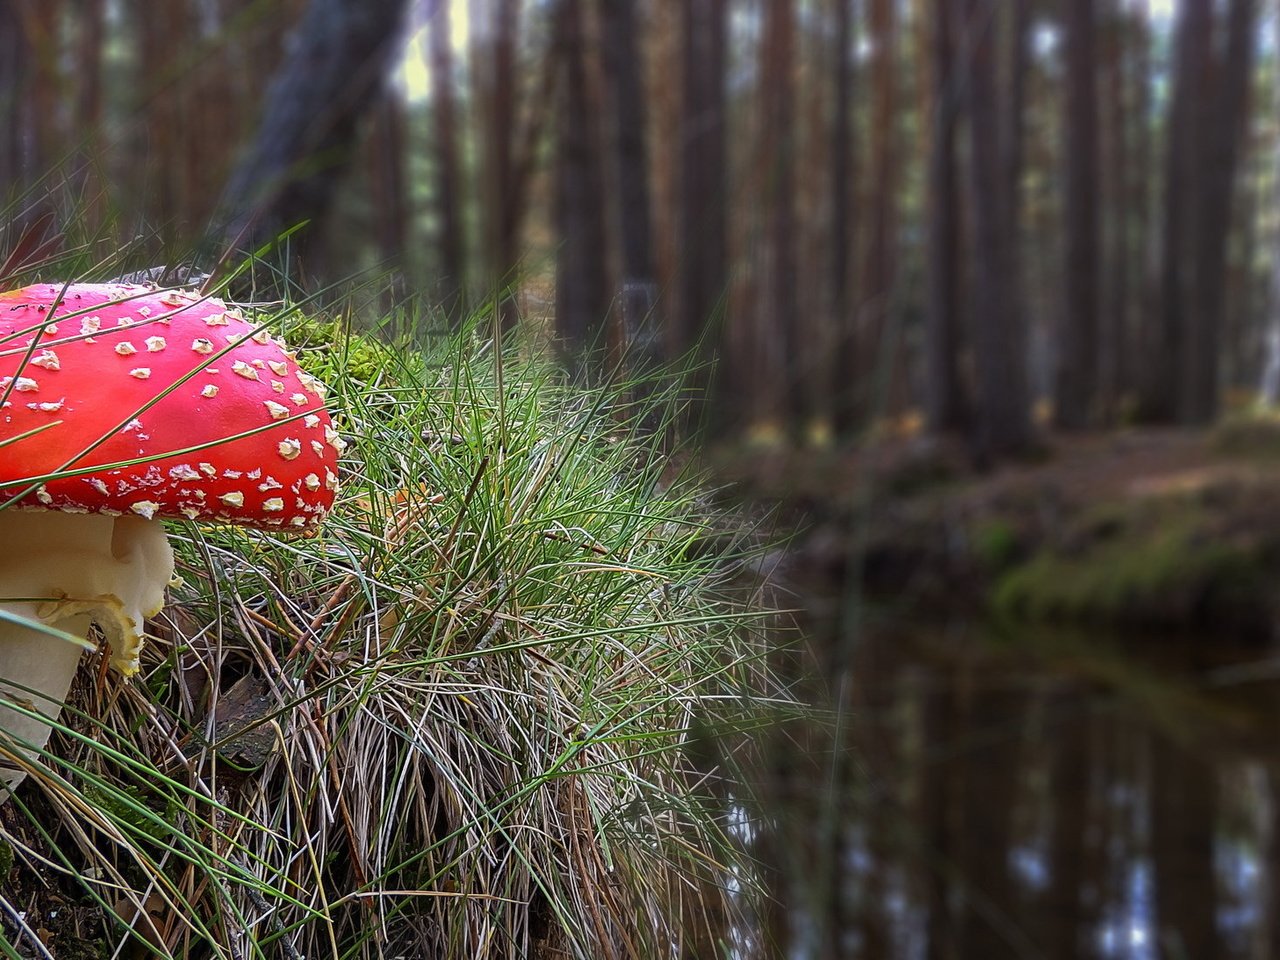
(456, 724)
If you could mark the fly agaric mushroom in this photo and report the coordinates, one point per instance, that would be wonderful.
(121, 405)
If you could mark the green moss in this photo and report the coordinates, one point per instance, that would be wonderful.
(135, 808)
(1251, 435)
(1170, 573)
(329, 351)
(995, 542)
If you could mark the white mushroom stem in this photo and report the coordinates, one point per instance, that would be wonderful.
(68, 571)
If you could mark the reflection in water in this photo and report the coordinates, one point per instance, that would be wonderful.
(1049, 798)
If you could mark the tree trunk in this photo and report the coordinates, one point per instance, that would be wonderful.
(1222, 120)
(582, 291)
(844, 183)
(879, 267)
(622, 70)
(638, 296)
(1269, 387)
(1011, 121)
(702, 211)
(509, 142)
(48, 137)
(88, 112)
(1143, 347)
(1242, 307)
(392, 203)
(14, 73)
(1207, 114)
(1011, 83)
(161, 32)
(944, 398)
(777, 382)
(1003, 425)
(497, 68)
(1116, 218)
(1075, 397)
(29, 86)
(1183, 177)
(332, 73)
(450, 243)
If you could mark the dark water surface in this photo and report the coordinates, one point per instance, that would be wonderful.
(1028, 793)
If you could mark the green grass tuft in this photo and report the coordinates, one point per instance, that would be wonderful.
(455, 724)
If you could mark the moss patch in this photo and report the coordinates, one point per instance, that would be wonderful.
(1254, 435)
(331, 352)
(1158, 565)
(995, 541)
(1151, 530)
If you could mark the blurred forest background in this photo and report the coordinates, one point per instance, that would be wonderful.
(986, 214)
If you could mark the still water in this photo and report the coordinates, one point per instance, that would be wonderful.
(1032, 794)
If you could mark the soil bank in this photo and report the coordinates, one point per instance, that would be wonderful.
(1153, 530)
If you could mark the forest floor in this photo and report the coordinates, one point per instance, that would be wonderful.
(1140, 528)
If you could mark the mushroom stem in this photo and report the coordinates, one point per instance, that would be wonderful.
(68, 571)
(36, 670)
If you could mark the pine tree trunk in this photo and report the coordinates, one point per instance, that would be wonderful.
(391, 197)
(1117, 216)
(1076, 392)
(582, 291)
(1167, 391)
(332, 73)
(880, 265)
(1011, 83)
(1144, 345)
(450, 243)
(88, 112)
(702, 214)
(638, 296)
(161, 32)
(498, 64)
(14, 57)
(1003, 425)
(49, 141)
(1222, 122)
(777, 389)
(944, 399)
(1270, 378)
(844, 189)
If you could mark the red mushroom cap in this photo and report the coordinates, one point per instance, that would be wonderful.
(81, 368)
